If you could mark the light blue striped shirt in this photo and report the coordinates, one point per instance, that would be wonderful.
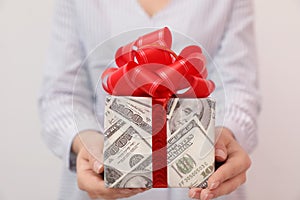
(223, 28)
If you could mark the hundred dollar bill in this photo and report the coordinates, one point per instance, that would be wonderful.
(135, 110)
(125, 152)
(139, 177)
(128, 140)
(181, 110)
(190, 155)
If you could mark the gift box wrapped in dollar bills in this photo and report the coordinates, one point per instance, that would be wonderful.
(128, 155)
(159, 121)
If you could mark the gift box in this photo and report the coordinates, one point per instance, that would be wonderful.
(128, 152)
(159, 121)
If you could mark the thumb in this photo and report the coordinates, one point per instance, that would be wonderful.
(98, 167)
(220, 146)
(220, 151)
(96, 160)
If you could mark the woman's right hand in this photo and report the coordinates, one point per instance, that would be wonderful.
(88, 146)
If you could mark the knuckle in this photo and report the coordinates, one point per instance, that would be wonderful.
(232, 188)
(96, 194)
(233, 171)
(244, 178)
(248, 162)
(217, 193)
(80, 186)
(127, 195)
(80, 183)
(228, 192)
(92, 196)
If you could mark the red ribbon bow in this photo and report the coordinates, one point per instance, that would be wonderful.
(148, 67)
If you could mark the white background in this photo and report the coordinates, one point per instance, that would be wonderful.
(28, 170)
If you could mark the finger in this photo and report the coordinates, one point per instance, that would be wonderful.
(93, 162)
(95, 186)
(115, 194)
(93, 143)
(237, 163)
(92, 183)
(96, 153)
(96, 158)
(220, 152)
(86, 177)
(121, 193)
(225, 188)
(195, 193)
(97, 166)
(220, 146)
(96, 161)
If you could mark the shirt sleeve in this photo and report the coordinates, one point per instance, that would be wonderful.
(66, 98)
(236, 61)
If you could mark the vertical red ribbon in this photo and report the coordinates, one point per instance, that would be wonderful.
(159, 143)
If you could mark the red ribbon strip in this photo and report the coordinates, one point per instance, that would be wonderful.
(148, 67)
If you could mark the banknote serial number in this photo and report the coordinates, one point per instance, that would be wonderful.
(204, 170)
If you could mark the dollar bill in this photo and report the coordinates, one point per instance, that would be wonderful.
(137, 111)
(181, 110)
(124, 151)
(127, 143)
(190, 155)
(139, 177)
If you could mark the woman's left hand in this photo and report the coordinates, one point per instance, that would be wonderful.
(230, 175)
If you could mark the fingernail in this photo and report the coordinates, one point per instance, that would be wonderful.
(97, 166)
(195, 195)
(214, 185)
(220, 153)
(208, 196)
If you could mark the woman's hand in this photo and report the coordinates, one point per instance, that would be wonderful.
(88, 146)
(230, 175)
